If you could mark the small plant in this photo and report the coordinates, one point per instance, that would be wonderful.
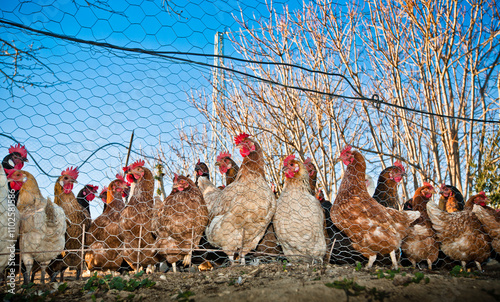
(459, 271)
(359, 266)
(351, 288)
(108, 282)
(62, 287)
(419, 276)
(285, 262)
(388, 274)
(184, 296)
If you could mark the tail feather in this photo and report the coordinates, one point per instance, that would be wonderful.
(489, 222)
(438, 218)
(50, 211)
(412, 215)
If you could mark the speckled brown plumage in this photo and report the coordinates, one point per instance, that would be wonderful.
(421, 244)
(138, 213)
(491, 225)
(77, 218)
(461, 234)
(179, 221)
(105, 232)
(243, 210)
(372, 228)
(386, 192)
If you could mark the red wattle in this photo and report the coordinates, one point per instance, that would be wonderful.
(16, 185)
(129, 178)
(68, 188)
(90, 197)
(244, 152)
(223, 169)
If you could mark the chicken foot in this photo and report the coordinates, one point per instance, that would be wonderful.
(187, 259)
(394, 260)
(371, 260)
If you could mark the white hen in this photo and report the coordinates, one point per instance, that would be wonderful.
(9, 222)
(43, 227)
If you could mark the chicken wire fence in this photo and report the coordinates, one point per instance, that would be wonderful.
(126, 108)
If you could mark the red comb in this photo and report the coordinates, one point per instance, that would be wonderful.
(223, 155)
(93, 188)
(426, 184)
(175, 177)
(307, 161)
(443, 186)
(104, 190)
(138, 163)
(71, 172)
(19, 149)
(399, 165)
(198, 161)
(482, 193)
(288, 159)
(346, 149)
(239, 138)
(119, 176)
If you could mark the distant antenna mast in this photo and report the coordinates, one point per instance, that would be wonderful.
(218, 92)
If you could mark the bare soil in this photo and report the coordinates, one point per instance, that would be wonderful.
(287, 282)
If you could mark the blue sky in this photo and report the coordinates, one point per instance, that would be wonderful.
(102, 95)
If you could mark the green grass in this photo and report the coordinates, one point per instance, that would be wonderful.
(353, 289)
(109, 282)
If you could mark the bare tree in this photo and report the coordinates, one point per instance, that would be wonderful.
(434, 57)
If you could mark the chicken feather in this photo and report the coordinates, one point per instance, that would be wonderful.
(244, 209)
(372, 228)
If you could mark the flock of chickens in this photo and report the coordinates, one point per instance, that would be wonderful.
(138, 229)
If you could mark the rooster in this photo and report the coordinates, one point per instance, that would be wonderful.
(372, 228)
(451, 199)
(105, 233)
(421, 243)
(179, 221)
(299, 219)
(15, 160)
(244, 209)
(86, 195)
(78, 218)
(386, 192)
(136, 218)
(43, 227)
(227, 166)
(460, 233)
(10, 219)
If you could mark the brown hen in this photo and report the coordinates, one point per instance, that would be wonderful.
(372, 228)
(179, 221)
(105, 233)
(421, 244)
(136, 218)
(460, 233)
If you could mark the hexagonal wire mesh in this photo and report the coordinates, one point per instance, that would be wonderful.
(88, 75)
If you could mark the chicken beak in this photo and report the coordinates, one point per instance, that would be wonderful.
(217, 164)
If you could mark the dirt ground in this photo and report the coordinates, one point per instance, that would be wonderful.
(279, 281)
